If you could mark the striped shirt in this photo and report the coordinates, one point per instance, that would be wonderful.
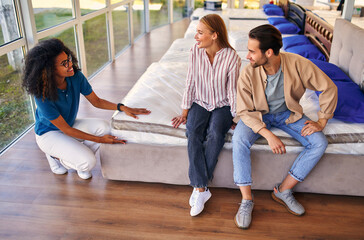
(212, 86)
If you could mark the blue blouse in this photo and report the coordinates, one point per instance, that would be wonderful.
(66, 105)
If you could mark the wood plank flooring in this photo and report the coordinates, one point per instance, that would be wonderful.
(36, 204)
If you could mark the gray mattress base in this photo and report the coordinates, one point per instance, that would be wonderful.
(334, 174)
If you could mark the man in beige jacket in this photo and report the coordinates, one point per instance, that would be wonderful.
(268, 95)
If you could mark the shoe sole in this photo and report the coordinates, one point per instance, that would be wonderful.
(244, 228)
(284, 204)
(59, 172)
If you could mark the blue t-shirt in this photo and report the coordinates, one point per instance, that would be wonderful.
(66, 105)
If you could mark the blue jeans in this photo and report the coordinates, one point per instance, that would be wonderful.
(244, 137)
(206, 136)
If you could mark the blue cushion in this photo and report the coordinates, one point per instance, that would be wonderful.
(295, 41)
(270, 6)
(350, 103)
(307, 51)
(288, 28)
(331, 70)
(274, 11)
(277, 20)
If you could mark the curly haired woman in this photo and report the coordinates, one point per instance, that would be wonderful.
(53, 77)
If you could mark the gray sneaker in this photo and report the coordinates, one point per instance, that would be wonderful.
(243, 217)
(287, 199)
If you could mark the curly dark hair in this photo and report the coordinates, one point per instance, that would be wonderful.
(38, 76)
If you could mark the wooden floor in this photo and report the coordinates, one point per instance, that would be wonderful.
(36, 204)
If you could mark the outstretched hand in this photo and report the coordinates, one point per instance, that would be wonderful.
(111, 139)
(133, 112)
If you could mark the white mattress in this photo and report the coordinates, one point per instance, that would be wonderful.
(160, 89)
(252, 14)
(245, 25)
(200, 12)
(239, 32)
(191, 30)
(179, 51)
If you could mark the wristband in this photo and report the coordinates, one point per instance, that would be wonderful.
(119, 105)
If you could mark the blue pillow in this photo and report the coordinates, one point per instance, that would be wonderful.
(307, 51)
(331, 70)
(277, 20)
(288, 28)
(350, 102)
(270, 6)
(274, 11)
(295, 41)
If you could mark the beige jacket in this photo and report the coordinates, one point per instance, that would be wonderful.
(299, 74)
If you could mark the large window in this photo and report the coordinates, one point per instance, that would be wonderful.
(179, 9)
(51, 13)
(158, 13)
(88, 6)
(9, 29)
(120, 27)
(138, 18)
(96, 44)
(15, 107)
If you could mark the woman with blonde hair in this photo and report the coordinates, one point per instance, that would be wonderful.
(208, 103)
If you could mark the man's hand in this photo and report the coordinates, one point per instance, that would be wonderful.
(276, 145)
(274, 142)
(312, 127)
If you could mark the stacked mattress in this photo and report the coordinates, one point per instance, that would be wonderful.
(161, 87)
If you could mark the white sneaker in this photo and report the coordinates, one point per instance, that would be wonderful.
(84, 174)
(199, 202)
(193, 196)
(55, 165)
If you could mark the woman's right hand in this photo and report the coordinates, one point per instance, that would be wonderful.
(111, 139)
(176, 121)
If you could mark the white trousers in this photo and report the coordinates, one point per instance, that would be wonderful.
(74, 153)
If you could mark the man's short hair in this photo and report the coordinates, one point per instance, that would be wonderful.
(268, 37)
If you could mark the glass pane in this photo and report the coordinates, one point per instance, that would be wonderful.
(199, 3)
(96, 44)
(67, 37)
(121, 28)
(179, 10)
(158, 13)
(9, 29)
(88, 6)
(50, 13)
(138, 18)
(15, 107)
